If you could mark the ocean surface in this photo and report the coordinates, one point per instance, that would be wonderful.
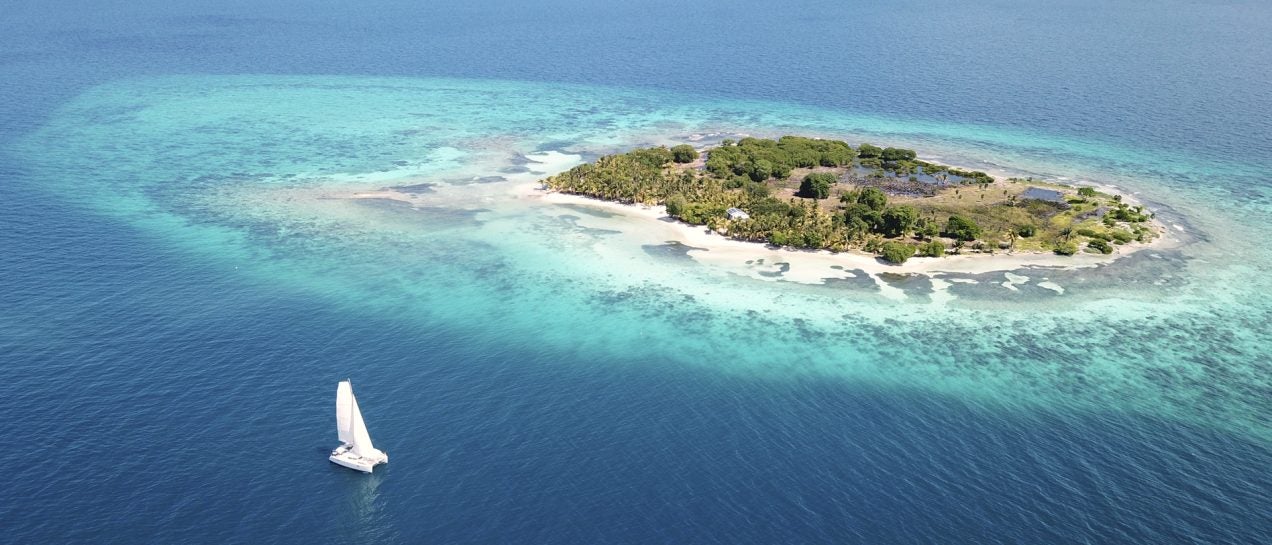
(185, 274)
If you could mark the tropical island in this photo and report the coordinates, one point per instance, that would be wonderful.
(822, 194)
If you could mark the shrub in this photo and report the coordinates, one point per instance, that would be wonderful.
(896, 252)
(927, 228)
(1100, 246)
(1026, 231)
(897, 154)
(760, 170)
(684, 153)
(932, 249)
(873, 198)
(755, 190)
(1086, 192)
(652, 157)
(676, 204)
(812, 239)
(962, 228)
(1095, 234)
(857, 213)
(869, 150)
(833, 153)
(899, 220)
(1123, 213)
(769, 206)
(701, 213)
(1066, 248)
(816, 185)
(1122, 236)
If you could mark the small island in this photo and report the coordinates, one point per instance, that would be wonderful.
(822, 194)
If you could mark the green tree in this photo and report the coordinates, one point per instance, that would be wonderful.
(760, 170)
(896, 252)
(816, 185)
(897, 154)
(652, 157)
(869, 150)
(684, 153)
(962, 228)
(873, 197)
(718, 163)
(860, 214)
(899, 220)
(835, 154)
(756, 190)
(1066, 248)
(1122, 236)
(927, 228)
(932, 249)
(676, 204)
(1086, 192)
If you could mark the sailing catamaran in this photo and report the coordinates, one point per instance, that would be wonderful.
(356, 451)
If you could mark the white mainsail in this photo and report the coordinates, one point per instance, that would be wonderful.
(345, 405)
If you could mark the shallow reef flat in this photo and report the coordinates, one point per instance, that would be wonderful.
(404, 199)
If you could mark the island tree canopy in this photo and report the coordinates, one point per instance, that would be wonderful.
(753, 174)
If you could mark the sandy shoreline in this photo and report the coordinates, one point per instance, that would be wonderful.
(816, 266)
(750, 258)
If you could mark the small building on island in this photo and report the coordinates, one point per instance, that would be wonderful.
(1045, 195)
(736, 214)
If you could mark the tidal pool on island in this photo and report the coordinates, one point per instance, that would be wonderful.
(283, 180)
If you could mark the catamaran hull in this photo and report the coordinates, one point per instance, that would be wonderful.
(358, 464)
(345, 457)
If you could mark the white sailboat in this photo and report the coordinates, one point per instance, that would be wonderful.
(355, 451)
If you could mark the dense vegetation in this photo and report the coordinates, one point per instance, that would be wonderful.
(684, 153)
(786, 186)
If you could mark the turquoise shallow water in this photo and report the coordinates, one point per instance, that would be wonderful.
(184, 276)
(255, 173)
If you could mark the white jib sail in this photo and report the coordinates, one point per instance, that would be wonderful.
(345, 406)
(361, 439)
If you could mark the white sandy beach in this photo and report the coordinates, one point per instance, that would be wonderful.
(815, 266)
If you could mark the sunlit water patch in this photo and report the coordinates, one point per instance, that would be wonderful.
(404, 198)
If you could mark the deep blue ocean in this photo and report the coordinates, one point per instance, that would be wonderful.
(172, 324)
